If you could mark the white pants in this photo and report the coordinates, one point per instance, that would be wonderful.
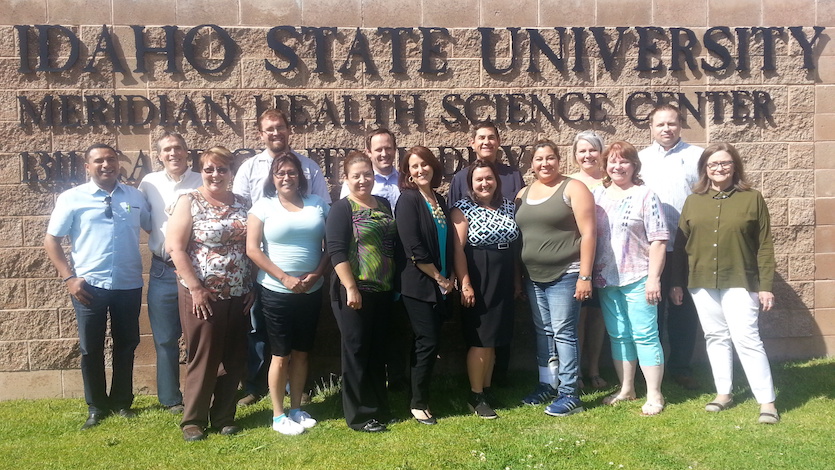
(729, 319)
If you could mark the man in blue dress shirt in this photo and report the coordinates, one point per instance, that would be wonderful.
(102, 218)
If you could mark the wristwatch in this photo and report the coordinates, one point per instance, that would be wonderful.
(585, 278)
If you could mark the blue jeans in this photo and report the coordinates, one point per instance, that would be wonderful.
(555, 315)
(632, 323)
(164, 316)
(258, 359)
(123, 306)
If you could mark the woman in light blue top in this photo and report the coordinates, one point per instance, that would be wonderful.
(286, 241)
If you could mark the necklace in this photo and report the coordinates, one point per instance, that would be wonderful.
(437, 212)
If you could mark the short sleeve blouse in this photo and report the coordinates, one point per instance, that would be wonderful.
(218, 246)
(291, 240)
(625, 229)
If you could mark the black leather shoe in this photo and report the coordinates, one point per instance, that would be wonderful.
(230, 430)
(192, 432)
(373, 426)
(126, 413)
(93, 419)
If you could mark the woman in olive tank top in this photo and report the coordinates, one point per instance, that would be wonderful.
(556, 217)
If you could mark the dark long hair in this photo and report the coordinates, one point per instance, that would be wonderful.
(426, 155)
(269, 184)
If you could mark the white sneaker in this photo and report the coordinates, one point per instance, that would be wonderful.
(287, 426)
(303, 418)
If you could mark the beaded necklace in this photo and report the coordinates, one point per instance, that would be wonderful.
(437, 212)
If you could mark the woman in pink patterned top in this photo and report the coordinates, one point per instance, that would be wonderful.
(206, 238)
(631, 245)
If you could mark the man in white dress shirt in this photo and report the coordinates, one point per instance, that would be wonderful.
(381, 148)
(670, 168)
(161, 189)
(274, 130)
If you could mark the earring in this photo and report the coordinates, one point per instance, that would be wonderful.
(411, 180)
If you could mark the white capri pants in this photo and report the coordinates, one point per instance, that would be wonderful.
(729, 319)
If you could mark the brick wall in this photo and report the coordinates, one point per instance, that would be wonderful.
(789, 157)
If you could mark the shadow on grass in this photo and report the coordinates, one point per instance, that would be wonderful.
(797, 383)
(801, 382)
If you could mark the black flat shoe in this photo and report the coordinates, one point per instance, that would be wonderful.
(429, 419)
(93, 419)
(373, 426)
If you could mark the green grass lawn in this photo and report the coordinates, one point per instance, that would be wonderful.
(45, 433)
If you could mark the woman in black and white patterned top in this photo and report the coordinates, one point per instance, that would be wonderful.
(485, 257)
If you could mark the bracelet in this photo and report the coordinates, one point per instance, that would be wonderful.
(71, 276)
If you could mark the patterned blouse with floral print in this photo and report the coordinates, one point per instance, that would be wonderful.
(218, 246)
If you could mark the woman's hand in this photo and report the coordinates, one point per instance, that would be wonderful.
(653, 291)
(583, 290)
(676, 295)
(467, 295)
(446, 285)
(200, 298)
(766, 300)
(249, 299)
(354, 298)
(293, 283)
(308, 280)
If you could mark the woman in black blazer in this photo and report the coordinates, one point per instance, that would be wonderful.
(361, 238)
(425, 266)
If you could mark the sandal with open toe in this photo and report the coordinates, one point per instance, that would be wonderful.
(614, 399)
(652, 409)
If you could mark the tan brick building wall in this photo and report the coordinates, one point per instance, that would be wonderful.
(790, 157)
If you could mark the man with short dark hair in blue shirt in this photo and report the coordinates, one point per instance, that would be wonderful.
(102, 218)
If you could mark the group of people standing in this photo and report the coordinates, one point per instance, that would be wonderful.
(673, 233)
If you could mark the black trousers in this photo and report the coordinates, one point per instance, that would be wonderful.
(426, 319)
(364, 395)
(682, 323)
(123, 308)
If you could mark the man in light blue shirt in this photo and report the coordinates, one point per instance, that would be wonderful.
(102, 219)
(162, 189)
(381, 147)
(670, 168)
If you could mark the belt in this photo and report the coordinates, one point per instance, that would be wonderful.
(494, 246)
(160, 258)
